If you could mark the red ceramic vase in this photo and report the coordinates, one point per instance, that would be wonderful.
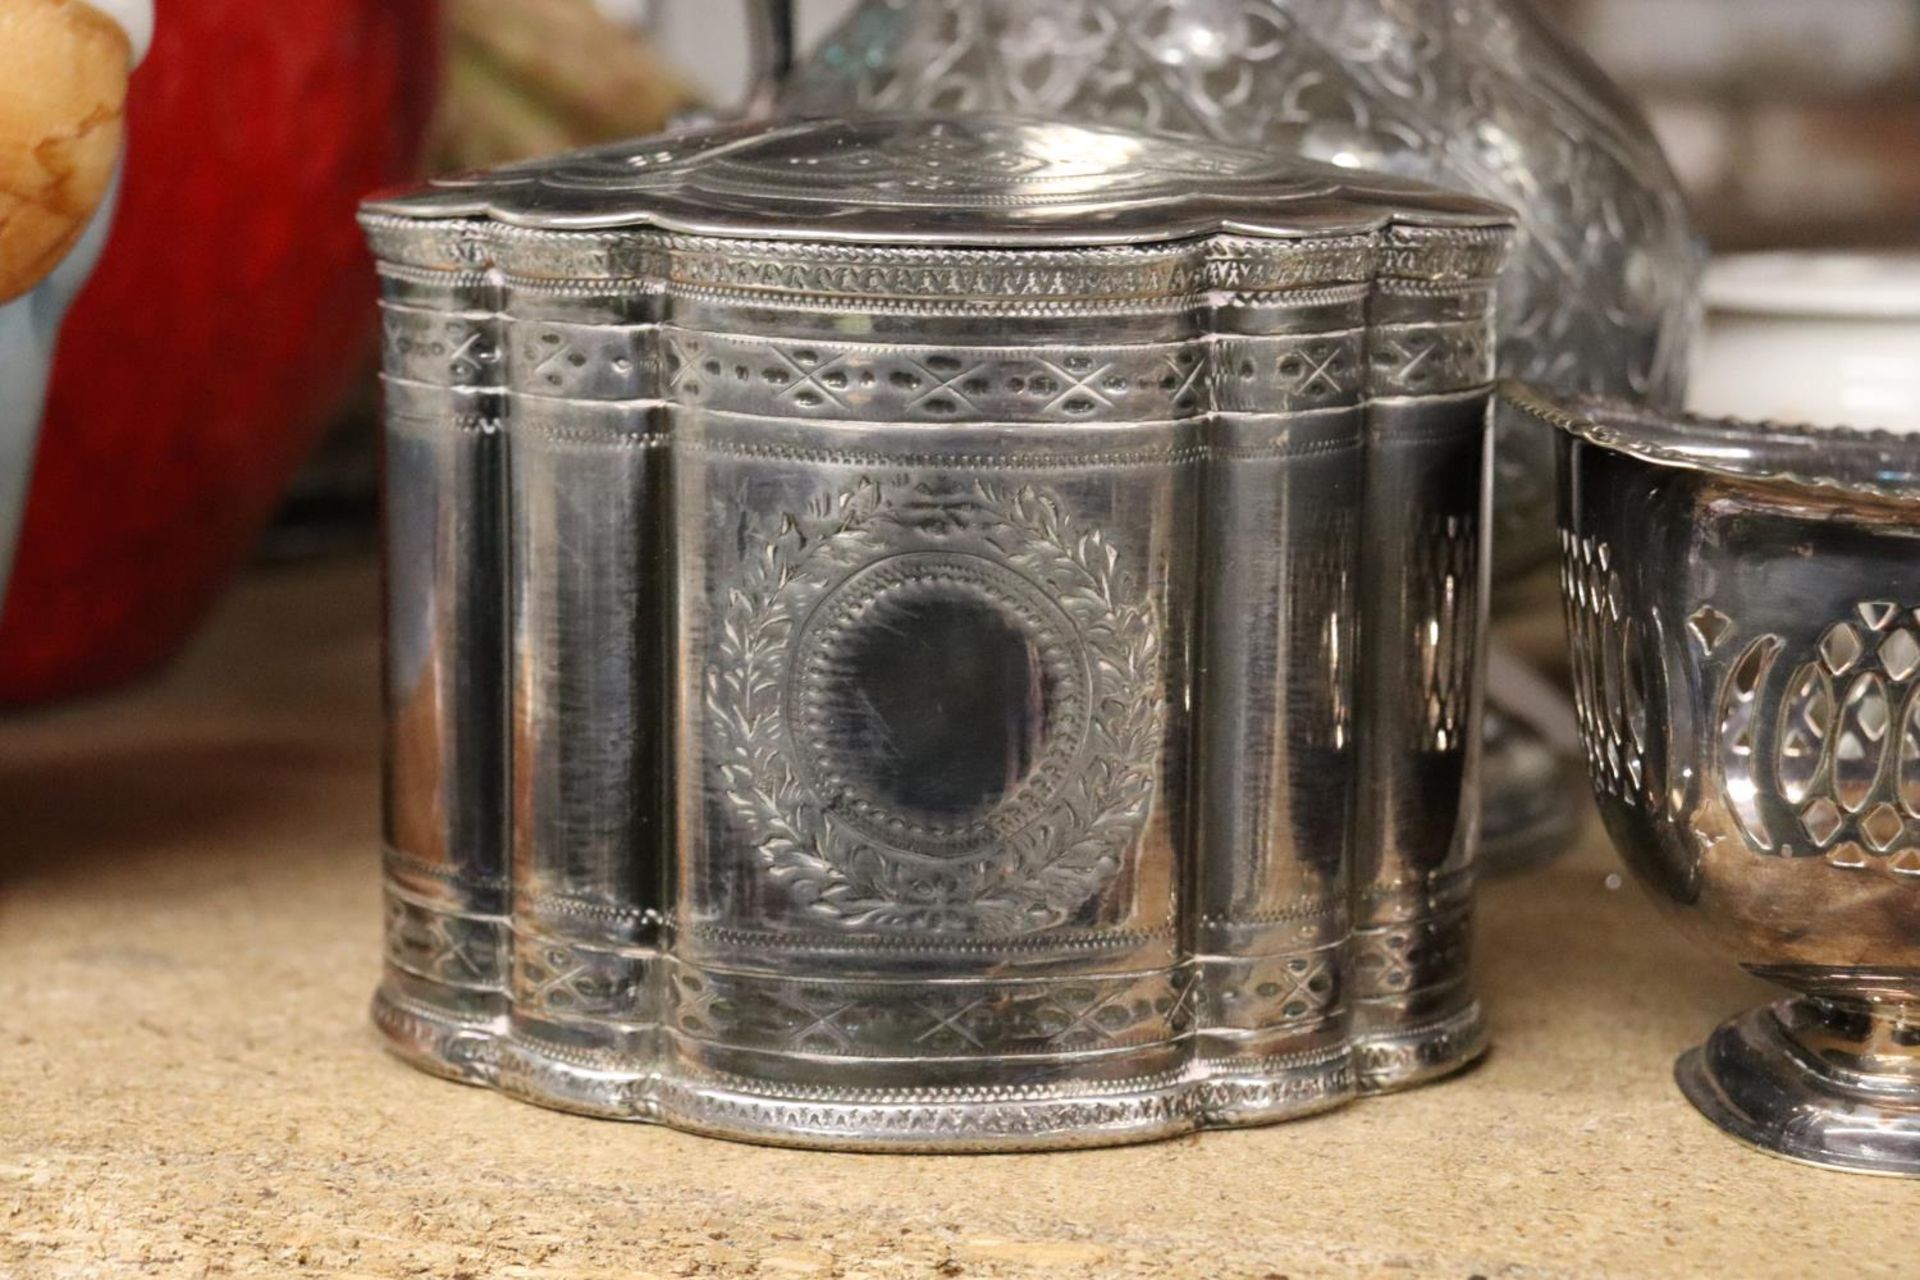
(231, 311)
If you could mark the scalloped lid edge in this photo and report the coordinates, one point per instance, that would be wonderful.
(939, 180)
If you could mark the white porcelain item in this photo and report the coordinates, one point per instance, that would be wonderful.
(1812, 337)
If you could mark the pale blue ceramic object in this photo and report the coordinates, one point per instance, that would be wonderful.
(29, 330)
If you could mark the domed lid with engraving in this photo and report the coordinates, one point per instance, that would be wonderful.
(946, 180)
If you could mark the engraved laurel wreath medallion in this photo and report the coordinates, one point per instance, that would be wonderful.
(937, 708)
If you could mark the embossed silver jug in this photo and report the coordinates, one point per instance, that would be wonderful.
(933, 633)
(1476, 95)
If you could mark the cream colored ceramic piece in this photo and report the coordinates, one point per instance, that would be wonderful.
(1813, 337)
(63, 85)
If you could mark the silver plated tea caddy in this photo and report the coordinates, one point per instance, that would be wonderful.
(1743, 608)
(933, 633)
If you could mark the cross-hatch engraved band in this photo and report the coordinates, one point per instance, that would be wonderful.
(564, 981)
(912, 382)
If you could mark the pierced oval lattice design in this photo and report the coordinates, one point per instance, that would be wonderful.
(1611, 671)
(1840, 778)
(1806, 722)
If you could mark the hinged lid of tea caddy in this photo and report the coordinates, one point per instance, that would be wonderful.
(964, 180)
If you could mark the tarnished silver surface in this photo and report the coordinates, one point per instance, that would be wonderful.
(1476, 95)
(1743, 603)
(884, 631)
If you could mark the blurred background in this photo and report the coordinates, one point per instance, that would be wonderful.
(1792, 122)
(211, 398)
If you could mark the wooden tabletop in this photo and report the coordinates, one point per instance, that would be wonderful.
(189, 1086)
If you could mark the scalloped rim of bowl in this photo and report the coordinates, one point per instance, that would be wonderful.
(1778, 452)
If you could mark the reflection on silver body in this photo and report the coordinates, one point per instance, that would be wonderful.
(887, 618)
(1743, 605)
(1476, 95)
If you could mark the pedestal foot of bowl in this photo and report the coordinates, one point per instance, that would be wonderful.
(1828, 1083)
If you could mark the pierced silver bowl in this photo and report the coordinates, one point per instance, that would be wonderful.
(1743, 608)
